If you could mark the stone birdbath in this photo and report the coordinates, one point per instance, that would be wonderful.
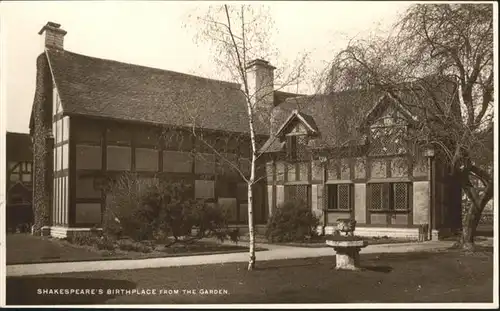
(348, 246)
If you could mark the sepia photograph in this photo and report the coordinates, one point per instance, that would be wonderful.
(249, 154)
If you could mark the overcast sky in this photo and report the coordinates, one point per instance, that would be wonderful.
(152, 34)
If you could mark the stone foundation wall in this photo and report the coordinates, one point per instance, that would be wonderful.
(407, 233)
(62, 232)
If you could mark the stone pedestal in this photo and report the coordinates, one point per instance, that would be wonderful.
(347, 253)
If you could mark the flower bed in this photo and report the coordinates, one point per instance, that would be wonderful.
(344, 238)
(127, 248)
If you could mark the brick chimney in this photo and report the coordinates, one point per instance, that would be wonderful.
(260, 76)
(52, 36)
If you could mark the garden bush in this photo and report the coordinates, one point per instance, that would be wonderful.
(95, 240)
(129, 245)
(146, 209)
(83, 239)
(292, 222)
(105, 244)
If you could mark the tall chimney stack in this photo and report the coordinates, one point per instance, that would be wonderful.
(260, 78)
(52, 36)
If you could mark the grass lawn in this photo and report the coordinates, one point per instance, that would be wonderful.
(26, 249)
(446, 276)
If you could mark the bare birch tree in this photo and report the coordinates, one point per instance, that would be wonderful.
(239, 34)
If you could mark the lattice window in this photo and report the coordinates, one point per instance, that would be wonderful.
(302, 192)
(291, 148)
(343, 197)
(389, 196)
(20, 171)
(400, 196)
(339, 197)
(297, 193)
(302, 150)
(297, 147)
(387, 140)
(377, 197)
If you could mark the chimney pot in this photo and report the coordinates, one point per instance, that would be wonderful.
(53, 36)
(258, 62)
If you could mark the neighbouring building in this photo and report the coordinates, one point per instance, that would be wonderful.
(93, 119)
(19, 180)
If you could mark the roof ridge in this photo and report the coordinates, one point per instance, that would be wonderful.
(146, 67)
(17, 133)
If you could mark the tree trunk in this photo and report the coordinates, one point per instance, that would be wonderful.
(474, 215)
(469, 229)
(251, 232)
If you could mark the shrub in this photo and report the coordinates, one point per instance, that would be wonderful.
(291, 222)
(101, 243)
(129, 213)
(339, 237)
(128, 245)
(147, 209)
(194, 219)
(105, 244)
(83, 239)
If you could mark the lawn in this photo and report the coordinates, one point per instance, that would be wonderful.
(27, 249)
(427, 277)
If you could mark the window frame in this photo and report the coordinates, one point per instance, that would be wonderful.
(20, 170)
(291, 147)
(389, 188)
(335, 207)
(292, 195)
(379, 133)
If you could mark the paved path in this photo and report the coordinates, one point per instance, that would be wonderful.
(274, 252)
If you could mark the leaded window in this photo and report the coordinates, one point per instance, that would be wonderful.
(297, 193)
(340, 197)
(296, 147)
(20, 171)
(388, 140)
(389, 196)
(388, 134)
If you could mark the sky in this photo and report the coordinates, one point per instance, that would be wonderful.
(154, 34)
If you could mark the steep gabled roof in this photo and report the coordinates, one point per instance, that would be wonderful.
(341, 117)
(109, 89)
(305, 119)
(18, 147)
(336, 117)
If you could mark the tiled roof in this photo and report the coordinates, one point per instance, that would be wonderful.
(336, 116)
(18, 147)
(109, 89)
(340, 116)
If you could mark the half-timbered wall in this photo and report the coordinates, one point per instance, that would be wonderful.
(106, 149)
(376, 186)
(61, 182)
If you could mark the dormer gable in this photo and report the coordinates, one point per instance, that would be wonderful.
(298, 124)
(295, 134)
(386, 127)
(386, 112)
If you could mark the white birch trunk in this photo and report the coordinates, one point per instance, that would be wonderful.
(251, 232)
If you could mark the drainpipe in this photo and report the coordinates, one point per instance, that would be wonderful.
(429, 153)
(323, 161)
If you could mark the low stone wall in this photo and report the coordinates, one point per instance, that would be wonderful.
(407, 233)
(62, 232)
